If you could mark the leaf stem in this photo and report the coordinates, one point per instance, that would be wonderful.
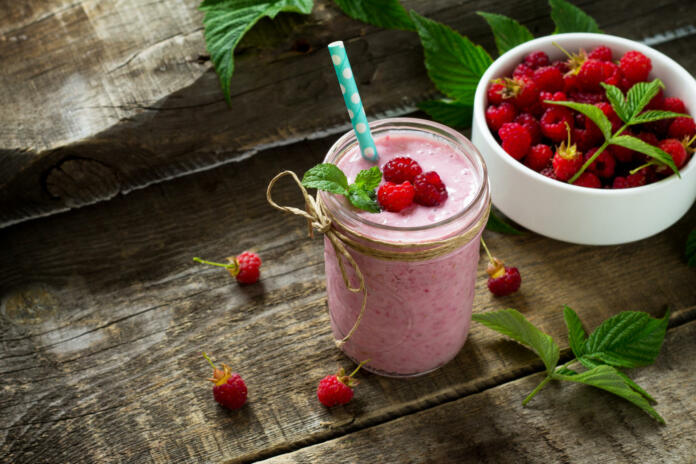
(565, 366)
(205, 355)
(595, 155)
(226, 266)
(490, 257)
(543, 383)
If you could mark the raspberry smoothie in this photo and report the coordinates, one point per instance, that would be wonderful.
(418, 312)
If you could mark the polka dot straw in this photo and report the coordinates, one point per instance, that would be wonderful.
(349, 89)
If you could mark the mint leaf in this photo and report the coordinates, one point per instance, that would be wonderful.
(638, 145)
(512, 323)
(591, 364)
(368, 179)
(226, 21)
(618, 101)
(383, 13)
(449, 112)
(570, 18)
(629, 339)
(363, 199)
(454, 64)
(326, 177)
(640, 95)
(576, 333)
(508, 33)
(655, 115)
(691, 249)
(595, 114)
(609, 379)
(497, 224)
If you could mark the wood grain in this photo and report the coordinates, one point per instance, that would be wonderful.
(127, 85)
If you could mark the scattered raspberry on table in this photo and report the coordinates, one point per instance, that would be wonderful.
(229, 389)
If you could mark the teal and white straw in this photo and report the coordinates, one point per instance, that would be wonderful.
(349, 89)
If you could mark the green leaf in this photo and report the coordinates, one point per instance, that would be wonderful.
(454, 64)
(618, 101)
(655, 115)
(595, 114)
(691, 249)
(629, 339)
(326, 177)
(226, 21)
(565, 371)
(589, 363)
(609, 379)
(449, 112)
(512, 323)
(383, 13)
(363, 199)
(368, 179)
(640, 95)
(508, 33)
(576, 333)
(638, 145)
(497, 224)
(570, 18)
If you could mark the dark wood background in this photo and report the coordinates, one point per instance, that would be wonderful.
(103, 315)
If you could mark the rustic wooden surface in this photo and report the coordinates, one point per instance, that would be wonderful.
(101, 98)
(103, 315)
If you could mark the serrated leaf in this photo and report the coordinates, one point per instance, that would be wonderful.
(595, 114)
(497, 224)
(629, 339)
(576, 333)
(449, 112)
(226, 21)
(609, 379)
(570, 18)
(691, 249)
(512, 323)
(383, 13)
(507, 32)
(327, 177)
(655, 115)
(454, 64)
(638, 145)
(640, 95)
(589, 363)
(368, 179)
(618, 101)
(363, 199)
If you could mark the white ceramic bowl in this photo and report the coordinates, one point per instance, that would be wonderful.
(577, 214)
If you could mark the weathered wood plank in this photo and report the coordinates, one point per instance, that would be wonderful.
(104, 316)
(103, 99)
(566, 423)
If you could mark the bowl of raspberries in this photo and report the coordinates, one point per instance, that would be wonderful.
(588, 138)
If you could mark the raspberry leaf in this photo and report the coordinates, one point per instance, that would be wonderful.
(629, 339)
(595, 114)
(363, 199)
(508, 33)
(609, 379)
(691, 249)
(383, 13)
(455, 65)
(640, 95)
(590, 363)
(368, 179)
(512, 323)
(450, 112)
(638, 145)
(618, 101)
(497, 224)
(655, 115)
(576, 333)
(327, 177)
(226, 21)
(570, 18)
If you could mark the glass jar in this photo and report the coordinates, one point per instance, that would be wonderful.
(419, 278)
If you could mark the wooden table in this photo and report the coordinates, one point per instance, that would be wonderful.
(104, 316)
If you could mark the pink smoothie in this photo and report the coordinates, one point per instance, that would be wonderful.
(418, 313)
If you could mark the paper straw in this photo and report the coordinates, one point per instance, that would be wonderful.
(349, 89)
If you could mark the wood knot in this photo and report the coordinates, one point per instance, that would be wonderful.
(82, 181)
(29, 306)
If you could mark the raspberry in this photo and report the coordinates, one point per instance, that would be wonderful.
(548, 78)
(496, 116)
(673, 104)
(587, 97)
(611, 73)
(601, 53)
(556, 96)
(401, 169)
(538, 157)
(229, 389)
(586, 134)
(603, 166)
(648, 137)
(590, 75)
(337, 389)
(395, 197)
(548, 172)
(522, 70)
(566, 161)
(502, 280)
(609, 112)
(681, 127)
(495, 93)
(637, 179)
(526, 94)
(656, 102)
(619, 183)
(622, 154)
(516, 139)
(530, 123)
(635, 66)
(676, 150)
(536, 59)
(571, 83)
(249, 264)
(589, 180)
(555, 121)
(561, 66)
(430, 190)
